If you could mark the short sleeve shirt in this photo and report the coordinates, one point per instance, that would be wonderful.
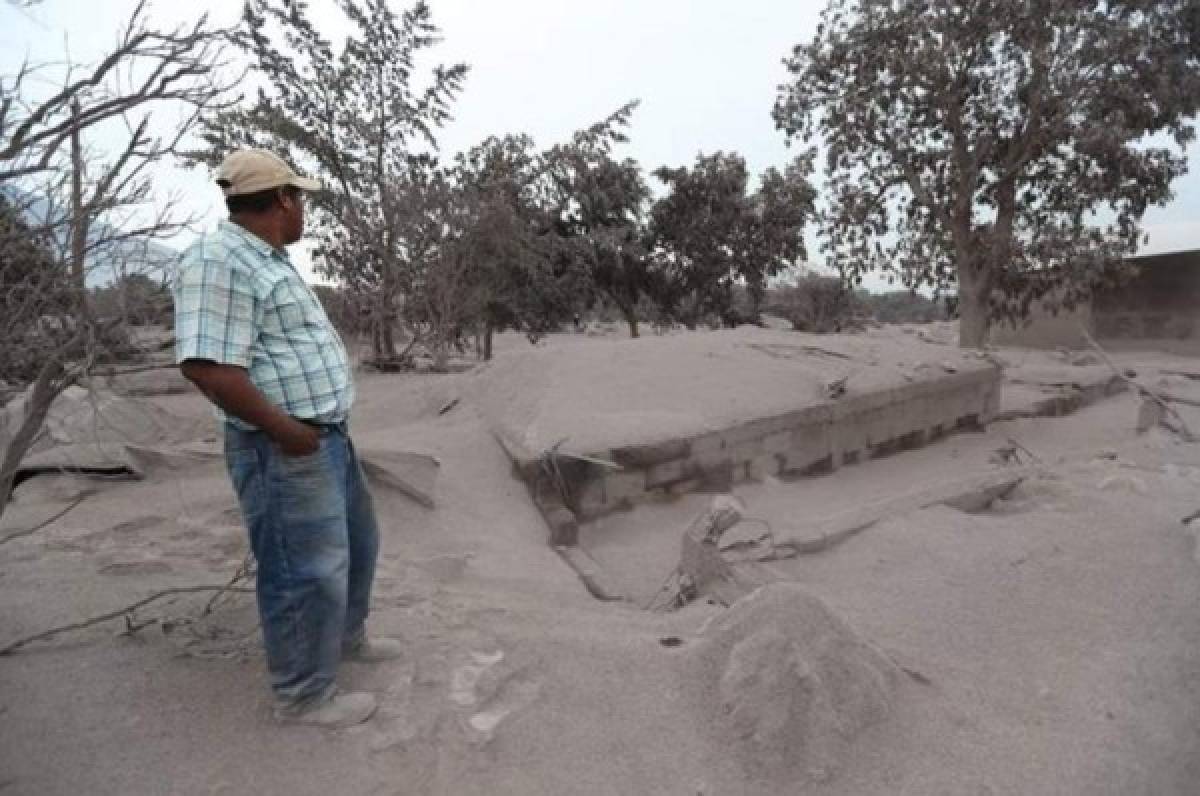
(239, 301)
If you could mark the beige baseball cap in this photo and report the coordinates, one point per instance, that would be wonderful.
(253, 170)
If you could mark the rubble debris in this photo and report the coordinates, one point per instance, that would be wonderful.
(707, 569)
(836, 388)
(702, 569)
(1011, 453)
(1150, 415)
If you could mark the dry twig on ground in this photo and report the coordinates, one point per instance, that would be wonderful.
(50, 520)
(245, 571)
(126, 612)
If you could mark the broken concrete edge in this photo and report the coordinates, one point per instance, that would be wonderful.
(972, 493)
(525, 462)
(382, 475)
(816, 438)
(1068, 399)
(563, 525)
(592, 575)
(560, 520)
(108, 461)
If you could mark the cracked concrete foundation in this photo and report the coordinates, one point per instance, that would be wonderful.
(570, 488)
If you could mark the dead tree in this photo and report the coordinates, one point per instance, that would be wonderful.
(72, 208)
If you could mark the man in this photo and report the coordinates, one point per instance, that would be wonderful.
(255, 339)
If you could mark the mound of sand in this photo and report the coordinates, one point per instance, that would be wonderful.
(105, 419)
(101, 432)
(795, 685)
(663, 387)
(97, 416)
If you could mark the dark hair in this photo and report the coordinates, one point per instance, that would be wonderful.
(259, 201)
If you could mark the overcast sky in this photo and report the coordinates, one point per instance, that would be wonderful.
(706, 73)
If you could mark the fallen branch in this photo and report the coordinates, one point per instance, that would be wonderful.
(554, 451)
(243, 572)
(30, 531)
(128, 370)
(1142, 390)
(111, 615)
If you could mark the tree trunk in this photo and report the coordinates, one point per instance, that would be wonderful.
(973, 321)
(80, 221)
(488, 330)
(48, 385)
(377, 339)
(631, 319)
(441, 356)
(383, 332)
(387, 335)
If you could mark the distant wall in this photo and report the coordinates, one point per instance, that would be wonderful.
(1159, 308)
(1045, 329)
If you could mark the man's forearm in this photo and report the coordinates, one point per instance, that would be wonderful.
(230, 388)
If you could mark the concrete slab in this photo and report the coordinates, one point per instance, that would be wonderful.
(411, 474)
(1042, 391)
(695, 425)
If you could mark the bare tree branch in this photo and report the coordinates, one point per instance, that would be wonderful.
(13, 646)
(48, 521)
(67, 210)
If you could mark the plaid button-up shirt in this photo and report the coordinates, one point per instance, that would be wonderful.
(239, 301)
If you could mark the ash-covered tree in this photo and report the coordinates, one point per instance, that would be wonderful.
(709, 233)
(357, 117)
(1004, 149)
(780, 209)
(135, 299)
(507, 253)
(814, 303)
(599, 206)
(79, 144)
(38, 303)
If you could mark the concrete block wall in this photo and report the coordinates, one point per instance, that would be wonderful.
(813, 439)
(1156, 309)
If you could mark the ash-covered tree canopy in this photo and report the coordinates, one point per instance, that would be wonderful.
(710, 232)
(1005, 149)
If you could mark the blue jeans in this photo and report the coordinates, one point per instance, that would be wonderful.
(313, 532)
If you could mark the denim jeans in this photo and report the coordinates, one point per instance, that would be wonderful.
(313, 532)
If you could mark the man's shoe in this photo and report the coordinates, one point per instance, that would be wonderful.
(374, 650)
(338, 712)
